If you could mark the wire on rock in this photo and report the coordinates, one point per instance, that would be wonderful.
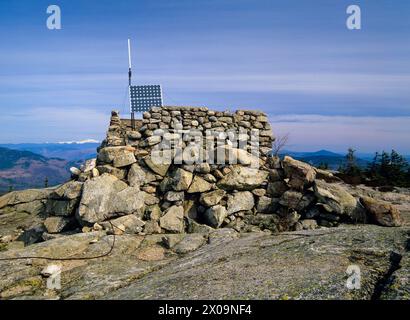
(68, 259)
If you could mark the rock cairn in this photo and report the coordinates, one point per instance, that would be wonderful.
(138, 195)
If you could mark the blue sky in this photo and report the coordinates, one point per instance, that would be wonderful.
(325, 85)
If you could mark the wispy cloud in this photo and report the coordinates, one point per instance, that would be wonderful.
(269, 55)
(307, 83)
(312, 83)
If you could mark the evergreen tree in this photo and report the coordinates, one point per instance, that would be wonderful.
(398, 167)
(351, 168)
(372, 168)
(389, 169)
(384, 165)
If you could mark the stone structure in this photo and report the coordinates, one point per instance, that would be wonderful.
(243, 124)
(249, 190)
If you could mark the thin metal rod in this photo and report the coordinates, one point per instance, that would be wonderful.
(132, 121)
(129, 54)
(129, 63)
(129, 83)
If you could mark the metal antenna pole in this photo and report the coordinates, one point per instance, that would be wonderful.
(129, 84)
(129, 62)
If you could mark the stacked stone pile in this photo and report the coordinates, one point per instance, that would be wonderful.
(186, 119)
(137, 194)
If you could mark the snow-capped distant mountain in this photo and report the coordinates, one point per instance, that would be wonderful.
(79, 142)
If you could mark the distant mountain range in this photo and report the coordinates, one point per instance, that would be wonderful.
(71, 151)
(27, 165)
(24, 169)
(332, 159)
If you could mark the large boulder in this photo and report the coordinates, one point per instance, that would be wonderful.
(29, 195)
(173, 219)
(199, 185)
(237, 156)
(158, 167)
(181, 180)
(64, 200)
(243, 179)
(129, 201)
(215, 216)
(70, 191)
(240, 201)
(105, 197)
(121, 156)
(35, 207)
(125, 224)
(212, 198)
(31, 201)
(300, 174)
(138, 176)
(124, 159)
(335, 198)
(58, 224)
(381, 212)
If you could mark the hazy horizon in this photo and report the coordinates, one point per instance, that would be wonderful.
(287, 148)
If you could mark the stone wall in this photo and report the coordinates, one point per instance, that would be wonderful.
(243, 123)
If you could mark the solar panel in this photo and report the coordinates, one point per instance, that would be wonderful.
(142, 98)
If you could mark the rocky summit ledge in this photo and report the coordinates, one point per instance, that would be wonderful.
(252, 226)
(309, 264)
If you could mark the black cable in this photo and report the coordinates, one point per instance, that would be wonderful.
(67, 259)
